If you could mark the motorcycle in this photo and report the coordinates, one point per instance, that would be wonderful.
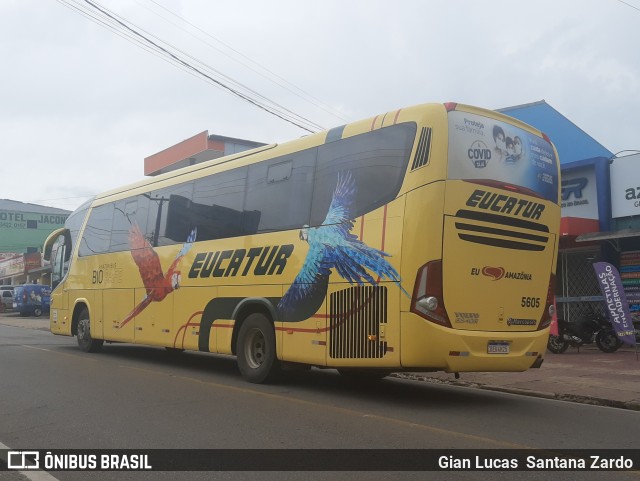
(585, 331)
(636, 328)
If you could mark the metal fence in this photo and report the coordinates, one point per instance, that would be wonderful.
(578, 294)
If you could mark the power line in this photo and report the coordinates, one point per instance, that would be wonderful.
(277, 79)
(123, 28)
(629, 5)
(121, 21)
(61, 198)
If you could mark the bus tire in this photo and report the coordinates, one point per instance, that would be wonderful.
(85, 341)
(37, 312)
(256, 350)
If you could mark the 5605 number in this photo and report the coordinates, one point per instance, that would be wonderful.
(530, 302)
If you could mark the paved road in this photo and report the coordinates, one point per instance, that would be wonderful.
(54, 396)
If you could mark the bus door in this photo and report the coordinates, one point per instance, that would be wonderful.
(118, 306)
(153, 324)
(305, 340)
(58, 251)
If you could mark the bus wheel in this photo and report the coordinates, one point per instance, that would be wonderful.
(85, 341)
(256, 350)
(364, 375)
(37, 312)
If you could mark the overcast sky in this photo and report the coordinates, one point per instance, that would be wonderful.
(80, 107)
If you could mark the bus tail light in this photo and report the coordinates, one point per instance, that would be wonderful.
(549, 308)
(450, 106)
(428, 300)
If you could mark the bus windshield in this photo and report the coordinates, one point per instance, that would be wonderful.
(482, 148)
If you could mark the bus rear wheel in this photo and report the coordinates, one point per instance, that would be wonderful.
(85, 341)
(256, 350)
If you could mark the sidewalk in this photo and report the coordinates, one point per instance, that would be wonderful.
(12, 318)
(587, 375)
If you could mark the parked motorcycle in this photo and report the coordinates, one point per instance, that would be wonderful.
(585, 331)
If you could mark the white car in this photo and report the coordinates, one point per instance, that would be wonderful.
(6, 296)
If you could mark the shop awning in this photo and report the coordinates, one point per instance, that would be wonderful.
(575, 226)
(598, 236)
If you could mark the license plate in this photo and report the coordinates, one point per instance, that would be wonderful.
(498, 347)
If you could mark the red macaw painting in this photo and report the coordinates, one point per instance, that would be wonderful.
(157, 284)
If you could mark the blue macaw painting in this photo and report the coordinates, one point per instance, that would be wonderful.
(332, 246)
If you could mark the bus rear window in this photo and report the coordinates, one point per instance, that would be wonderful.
(481, 148)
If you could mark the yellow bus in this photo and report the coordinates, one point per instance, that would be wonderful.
(423, 239)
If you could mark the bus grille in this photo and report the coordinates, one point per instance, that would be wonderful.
(355, 315)
(498, 231)
(423, 150)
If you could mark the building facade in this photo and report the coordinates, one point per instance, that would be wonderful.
(23, 229)
(199, 148)
(600, 212)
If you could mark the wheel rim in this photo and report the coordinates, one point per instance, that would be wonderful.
(610, 341)
(555, 342)
(255, 348)
(83, 326)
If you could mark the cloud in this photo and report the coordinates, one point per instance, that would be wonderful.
(82, 107)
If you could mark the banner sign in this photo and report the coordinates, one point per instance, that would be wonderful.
(319, 460)
(579, 194)
(483, 148)
(625, 193)
(617, 305)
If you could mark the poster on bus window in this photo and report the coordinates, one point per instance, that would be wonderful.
(483, 148)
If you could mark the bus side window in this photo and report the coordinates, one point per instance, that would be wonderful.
(97, 233)
(217, 208)
(378, 162)
(280, 191)
(126, 213)
(167, 224)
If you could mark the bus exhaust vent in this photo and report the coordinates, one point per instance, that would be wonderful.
(355, 315)
(424, 149)
(501, 231)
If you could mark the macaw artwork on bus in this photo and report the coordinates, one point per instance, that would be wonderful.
(157, 284)
(333, 246)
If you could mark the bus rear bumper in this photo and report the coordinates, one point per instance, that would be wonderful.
(428, 346)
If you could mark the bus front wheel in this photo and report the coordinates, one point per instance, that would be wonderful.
(256, 350)
(85, 341)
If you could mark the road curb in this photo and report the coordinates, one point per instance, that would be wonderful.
(577, 398)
